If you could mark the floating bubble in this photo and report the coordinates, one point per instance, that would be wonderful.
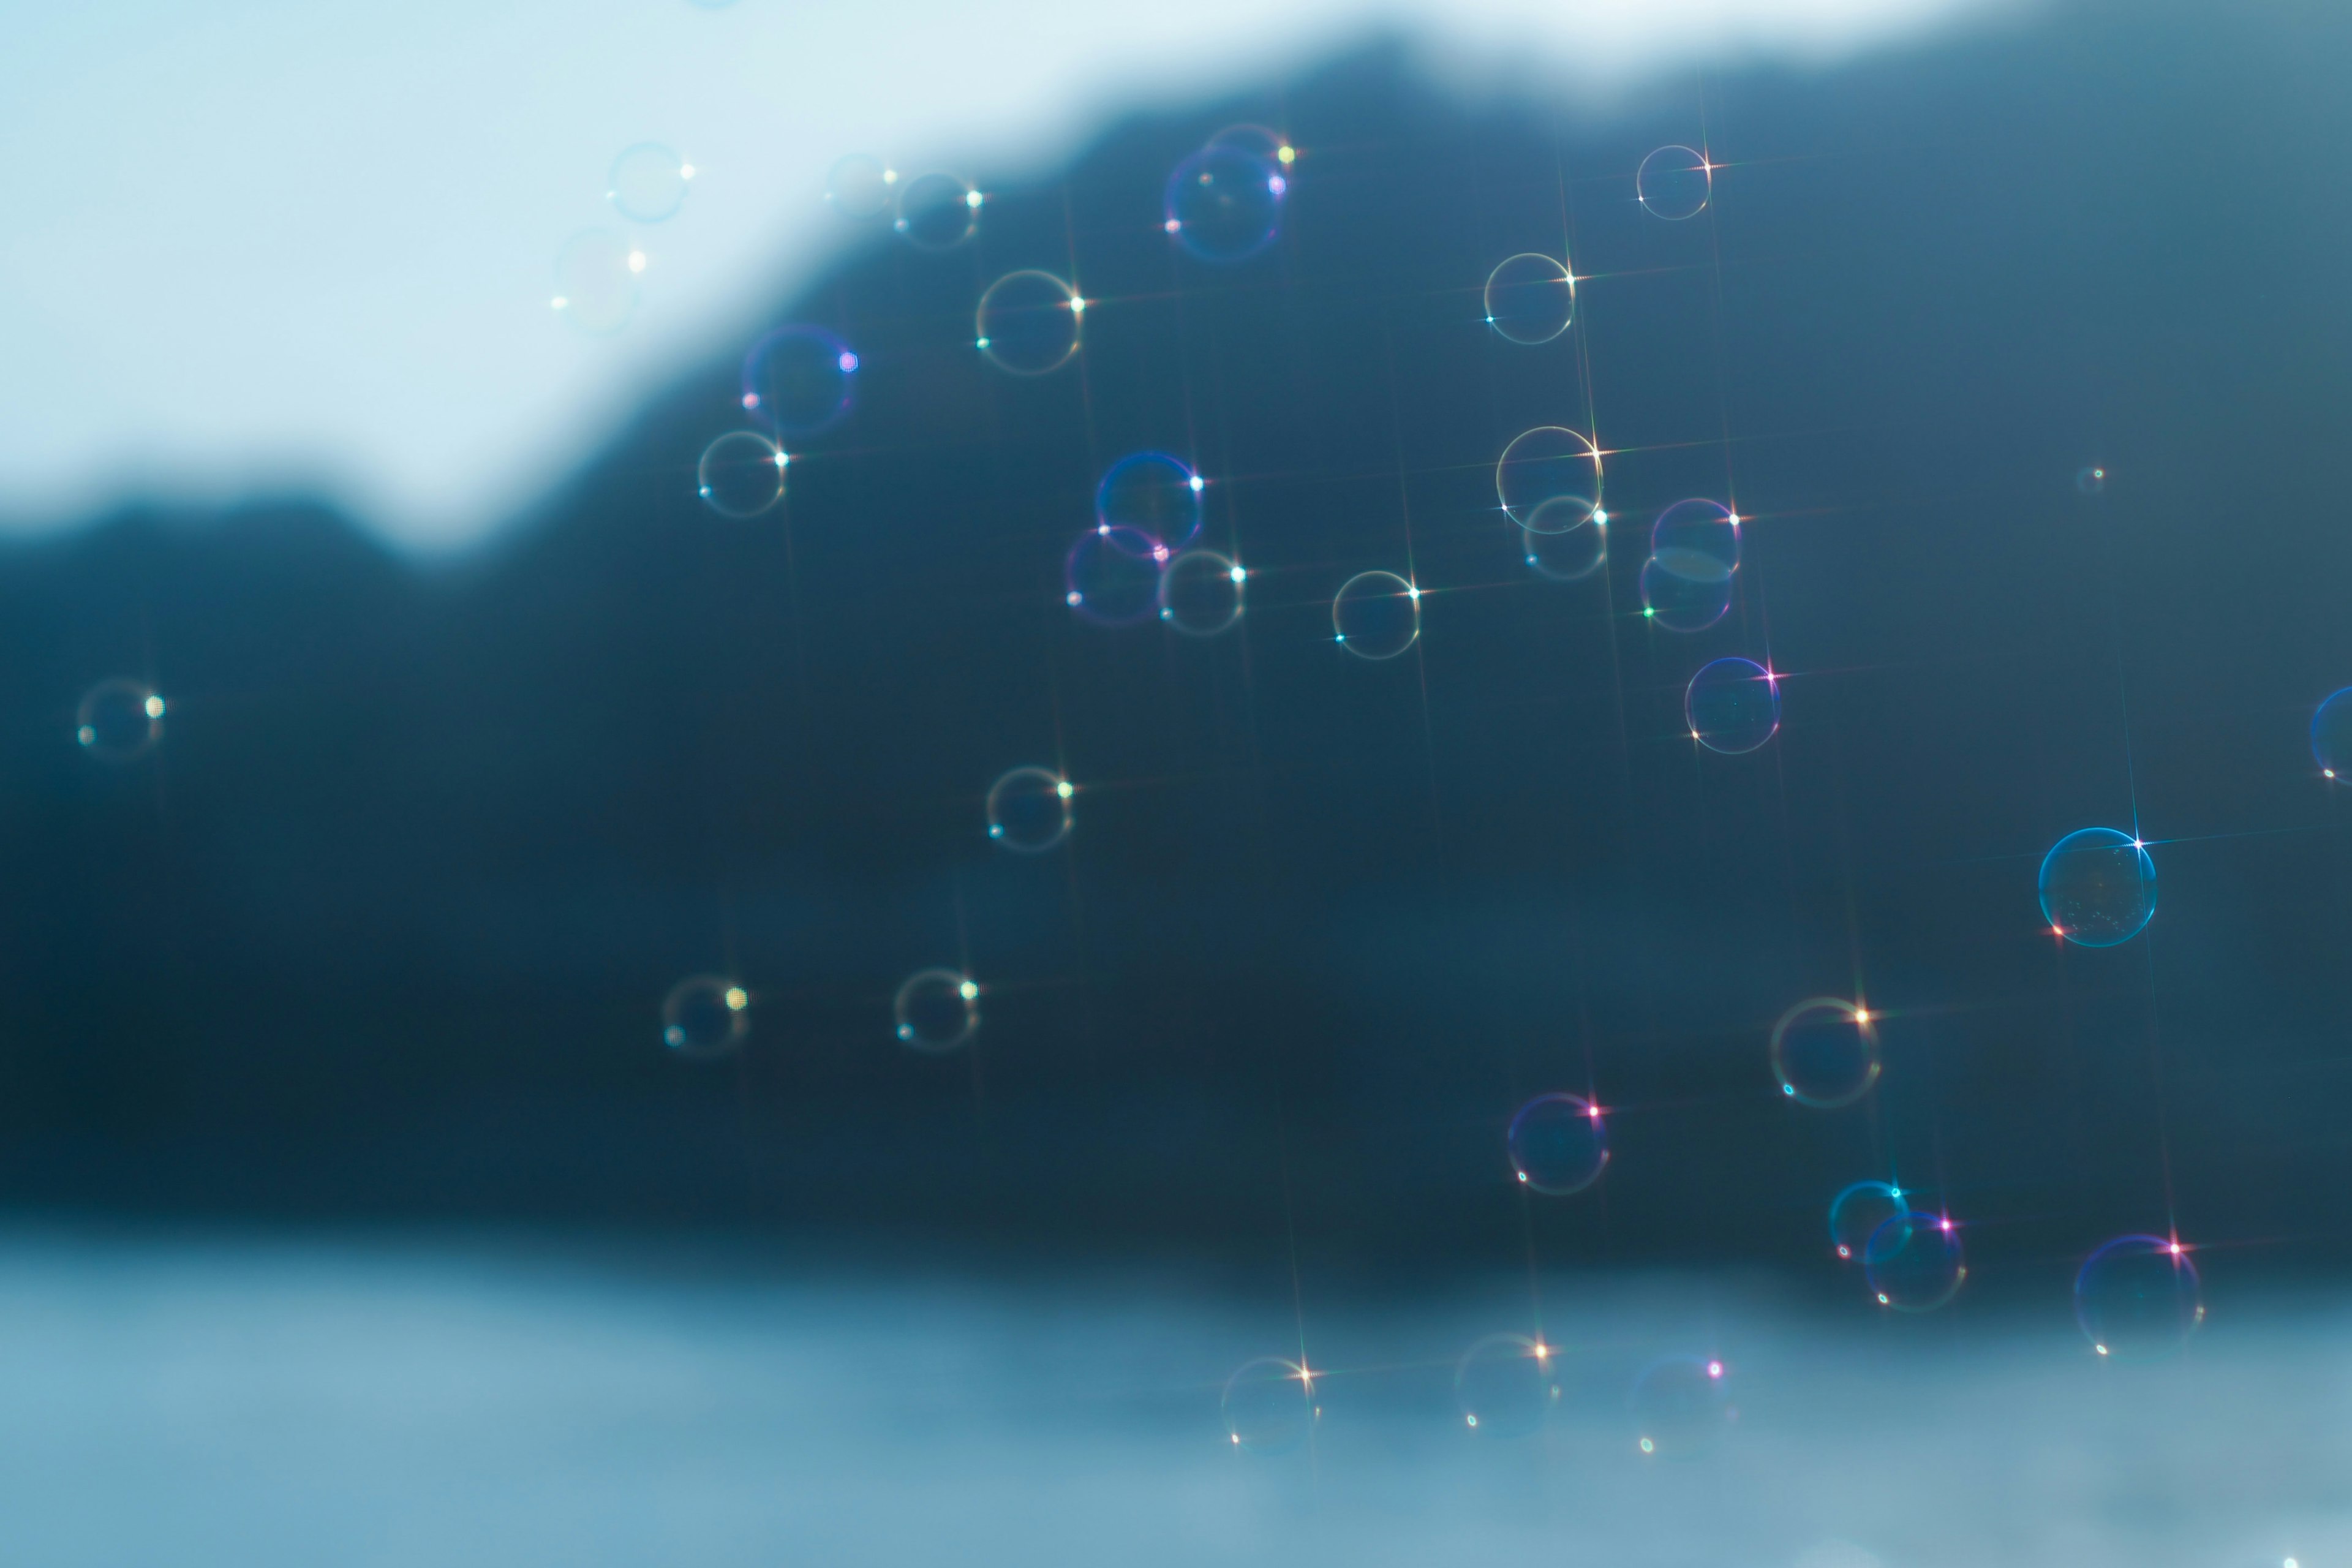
(1111, 575)
(2098, 887)
(1029, 810)
(1860, 1210)
(1558, 1143)
(1826, 1052)
(1732, 706)
(1200, 593)
(1259, 141)
(647, 182)
(1697, 538)
(1028, 323)
(1224, 203)
(1568, 554)
(1506, 1385)
(1674, 183)
(1682, 1406)
(705, 1016)
(118, 719)
(801, 379)
(596, 280)
(1548, 480)
(936, 1009)
(936, 211)
(2331, 735)
(1377, 614)
(1151, 493)
(742, 474)
(1530, 299)
(1269, 1406)
(1680, 604)
(2091, 481)
(2138, 1299)
(860, 186)
(1914, 1262)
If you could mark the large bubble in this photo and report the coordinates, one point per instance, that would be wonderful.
(1376, 615)
(1028, 323)
(936, 1009)
(595, 285)
(1530, 299)
(1824, 1052)
(118, 720)
(705, 1016)
(1154, 494)
(1029, 810)
(1111, 575)
(1558, 1143)
(1200, 593)
(741, 474)
(648, 183)
(1732, 706)
(936, 211)
(1859, 1210)
(1914, 1261)
(1682, 1406)
(2138, 1299)
(2331, 735)
(2098, 887)
(1224, 203)
(860, 186)
(800, 379)
(1269, 1406)
(1548, 480)
(1674, 183)
(1506, 1385)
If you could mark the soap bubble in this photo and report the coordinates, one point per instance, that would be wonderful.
(2138, 1299)
(1858, 1211)
(1154, 494)
(742, 474)
(1028, 323)
(800, 379)
(1682, 1406)
(1377, 614)
(1200, 593)
(1914, 1262)
(1546, 465)
(1674, 183)
(2091, 480)
(1506, 1385)
(119, 718)
(936, 1009)
(1567, 555)
(1697, 538)
(1029, 810)
(2331, 735)
(705, 1016)
(1558, 1143)
(936, 211)
(1224, 203)
(860, 186)
(1530, 299)
(1681, 603)
(1259, 141)
(1269, 1406)
(1111, 575)
(647, 182)
(1732, 705)
(2098, 887)
(595, 285)
(1826, 1052)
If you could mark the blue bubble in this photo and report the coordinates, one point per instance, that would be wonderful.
(648, 183)
(1682, 604)
(119, 719)
(705, 1016)
(1732, 705)
(936, 1009)
(2331, 735)
(595, 283)
(1154, 494)
(1111, 575)
(741, 474)
(2138, 1299)
(860, 186)
(1530, 299)
(1824, 1052)
(1858, 1211)
(1200, 593)
(1029, 810)
(2098, 887)
(1506, 1385)
(1558, 1143)
(800, 379)
(1674, 183)
(1682, 1406)
(1269, 1406)
(1697, 538)
(1224, 203)
(1548, 480)
(2091, 480)
(1028, 323)
(936, 211)
(1376, 615)
(1914, 1261)
(1569, 554)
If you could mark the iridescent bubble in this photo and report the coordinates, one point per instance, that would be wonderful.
(1558, 1143)
(1826, 1052)
(1674, 182)
(1858, 1211)
(2138, 1299)
(1151, 493)
(119, 718)
(1506, 1385)
(800, 379)
(1550, 464)
(1029, 810)
(2098, 887)
(648, 183)
(2091, 480)
(1111, 575)
(1569, 554)
(1680, 604)
(595, 285)
(1377, 614)
(742, 474)
(1530, 299)
(2331, 735)
(860, 186)
(936, 1009)
(1732, 705)
(1914, 1261)
(1200, 593)
(936, 211)
(705, 1016)
(1257, 141)
(1269, 1406)
(1224, 203)
(1682, 1406)
(1028, 323)
(1697, 538)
